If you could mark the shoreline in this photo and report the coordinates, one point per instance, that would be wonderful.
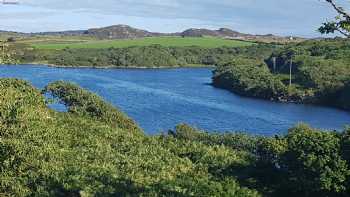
(116, 67)
(284, 101)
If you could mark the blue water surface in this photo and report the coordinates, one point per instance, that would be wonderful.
(159, 99)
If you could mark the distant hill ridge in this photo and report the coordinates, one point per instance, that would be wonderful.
(128, 32)
(223, 32)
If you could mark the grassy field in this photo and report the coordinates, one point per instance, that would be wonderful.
(206, 42)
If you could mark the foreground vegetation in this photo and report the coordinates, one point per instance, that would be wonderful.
(320, 74)
(96, 150)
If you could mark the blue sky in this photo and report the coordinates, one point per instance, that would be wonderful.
(281, 17)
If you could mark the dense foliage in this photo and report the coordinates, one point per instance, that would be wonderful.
(79, 153)
(320, 74)
(85, 103)
(249, 77)
(146, 56)
(93, 150)
(304, 162)
(7, 55)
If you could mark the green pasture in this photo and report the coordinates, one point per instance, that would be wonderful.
(205, 42)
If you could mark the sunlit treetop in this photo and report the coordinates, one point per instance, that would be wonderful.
(340, 24)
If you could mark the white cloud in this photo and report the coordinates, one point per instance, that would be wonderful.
(286, 17)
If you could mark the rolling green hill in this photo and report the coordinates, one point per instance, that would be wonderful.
(205, 42)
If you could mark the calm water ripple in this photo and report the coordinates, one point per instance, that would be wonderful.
(160, 99)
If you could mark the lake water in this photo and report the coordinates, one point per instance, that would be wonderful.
(159, 99)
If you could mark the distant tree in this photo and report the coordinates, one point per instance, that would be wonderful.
(341, 23)
(6, 56)
(11, 39)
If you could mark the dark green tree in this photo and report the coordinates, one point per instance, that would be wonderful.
(314, 162)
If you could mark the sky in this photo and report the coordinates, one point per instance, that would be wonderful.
(280, 17)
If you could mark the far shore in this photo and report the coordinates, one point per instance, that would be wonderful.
(118, 67)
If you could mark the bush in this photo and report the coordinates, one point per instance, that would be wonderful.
(85, 103)
(249, 78)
